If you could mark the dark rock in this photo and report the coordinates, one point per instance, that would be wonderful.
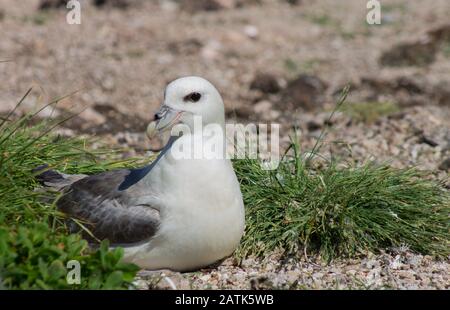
(188, 46)
(427, 140)
(411, 86)
(121, 4)
(294, 2)
(306, 91)
(410, 54)
(397, 115)
(118, 122)
(114, 122)
(266, 83)
(313, 125)
(404, 90)
(441, 93)
(403, 83)
(440, 34)
(445, 165)
(419, 53)
(206, 5)
(409, 91)
(261, 283)
(52, 4)
(244, 3)
(194, 6)
(241, 112)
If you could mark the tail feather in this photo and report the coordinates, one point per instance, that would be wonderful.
(55, 179)
(47, 175)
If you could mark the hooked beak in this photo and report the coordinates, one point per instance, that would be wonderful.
(164, 119)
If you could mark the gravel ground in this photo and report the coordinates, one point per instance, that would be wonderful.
(259, 55)
(400, 270)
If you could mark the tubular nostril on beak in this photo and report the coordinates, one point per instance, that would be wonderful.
(157, 117)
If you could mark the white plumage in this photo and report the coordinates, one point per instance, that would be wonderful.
(199, 200)
(177, 213)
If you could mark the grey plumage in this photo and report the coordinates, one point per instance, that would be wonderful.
(106, 211)
(55, 179)
(106, 201)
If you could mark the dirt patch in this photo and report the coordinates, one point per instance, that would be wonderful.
(305, 91)
(104, 119)
(266, 83)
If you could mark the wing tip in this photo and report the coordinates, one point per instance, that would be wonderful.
(45, 175)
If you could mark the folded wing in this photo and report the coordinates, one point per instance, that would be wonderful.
(109, 213)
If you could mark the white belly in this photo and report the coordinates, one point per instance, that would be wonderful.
(202, 221)
(184, 247)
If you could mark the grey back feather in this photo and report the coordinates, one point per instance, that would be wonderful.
(108, 212)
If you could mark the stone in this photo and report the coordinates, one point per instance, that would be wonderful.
(419, 53)
(440, 34)
(313, 125)
(211, 50)
(267, 83)
(251, 31)
(186, 46)
(206, 5)
(52, 4)
(263, 107)
(122, 4)
(306, 91)
(445, 165)
(92, 117)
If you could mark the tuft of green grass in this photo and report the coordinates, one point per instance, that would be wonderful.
(34, 243)
(340, 209)
(369, 112)
(23, 148)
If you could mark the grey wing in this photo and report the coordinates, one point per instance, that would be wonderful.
(108, 212)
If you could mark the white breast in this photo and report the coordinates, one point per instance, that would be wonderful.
(202, 214)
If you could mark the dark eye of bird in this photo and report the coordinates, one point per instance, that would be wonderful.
(193, 97)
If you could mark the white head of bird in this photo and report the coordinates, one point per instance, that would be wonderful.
(185, 100)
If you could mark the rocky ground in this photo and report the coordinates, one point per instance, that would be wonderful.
(397, 270)
(273, 61)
